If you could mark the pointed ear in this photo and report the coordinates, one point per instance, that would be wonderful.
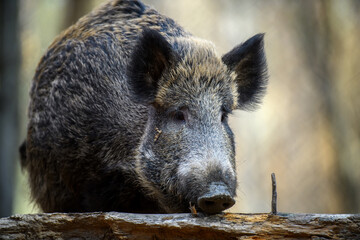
(152, 55)
(248, 61)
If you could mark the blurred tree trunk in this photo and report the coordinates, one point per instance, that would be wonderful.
(75, 9)
(9, 81)
(320, 41)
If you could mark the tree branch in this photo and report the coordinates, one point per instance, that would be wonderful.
(274, 195)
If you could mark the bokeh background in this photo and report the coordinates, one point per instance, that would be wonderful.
(307, 130)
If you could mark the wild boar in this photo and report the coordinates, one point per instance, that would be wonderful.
(129, 112)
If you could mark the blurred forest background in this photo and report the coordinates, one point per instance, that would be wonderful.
(307, 130)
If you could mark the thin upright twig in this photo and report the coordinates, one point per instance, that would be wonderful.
(274, 195)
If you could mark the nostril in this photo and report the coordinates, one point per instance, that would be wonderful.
(226, 205)
(209, 203)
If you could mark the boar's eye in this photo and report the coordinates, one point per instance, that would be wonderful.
(180, 116)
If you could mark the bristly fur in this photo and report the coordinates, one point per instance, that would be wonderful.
(105, 90)
(249, 63)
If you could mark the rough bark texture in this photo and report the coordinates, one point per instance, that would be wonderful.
(114, 225)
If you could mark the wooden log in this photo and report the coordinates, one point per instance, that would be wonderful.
(114, 225)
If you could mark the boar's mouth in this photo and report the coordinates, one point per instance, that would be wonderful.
(215, 199)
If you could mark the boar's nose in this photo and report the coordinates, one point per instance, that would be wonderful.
(217, 199)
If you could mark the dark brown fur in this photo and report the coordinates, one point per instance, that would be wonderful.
(107, 95)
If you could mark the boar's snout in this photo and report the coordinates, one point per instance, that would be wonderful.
(217, 199)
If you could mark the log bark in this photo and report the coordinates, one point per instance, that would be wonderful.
(115, 225)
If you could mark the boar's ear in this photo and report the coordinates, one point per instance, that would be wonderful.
(248, 61)
(151, 56)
